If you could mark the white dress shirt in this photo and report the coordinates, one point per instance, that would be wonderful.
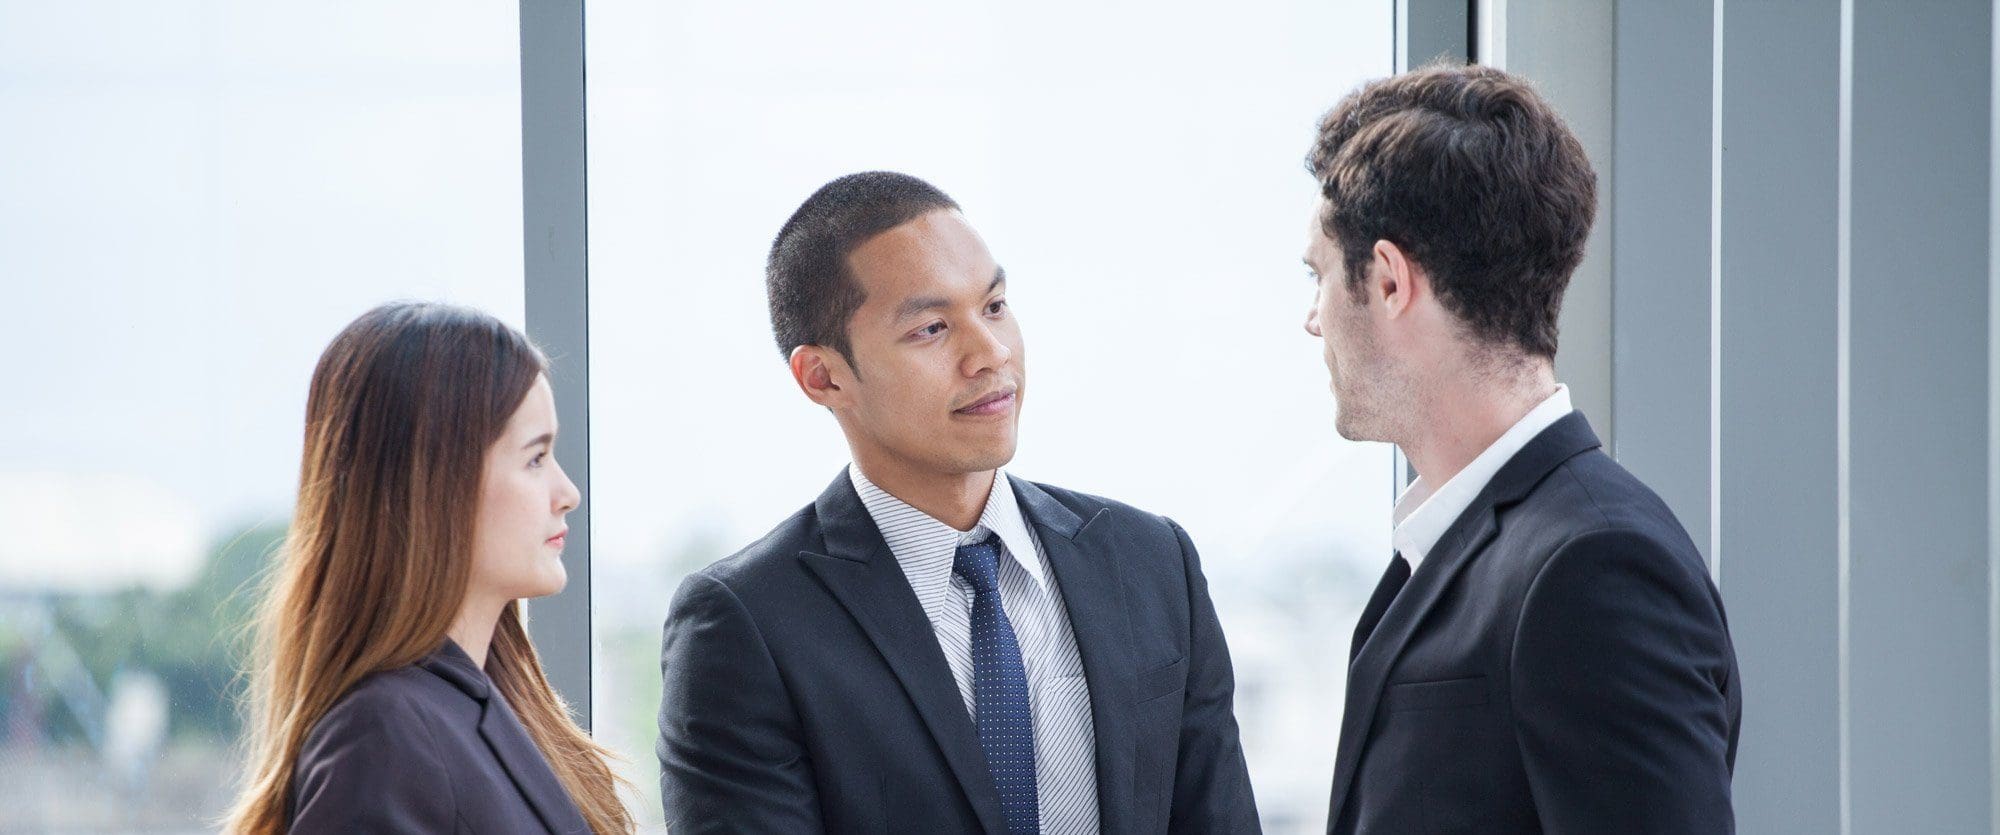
(1058, 695)
(1423, 515)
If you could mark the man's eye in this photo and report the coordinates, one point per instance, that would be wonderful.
(932, 329)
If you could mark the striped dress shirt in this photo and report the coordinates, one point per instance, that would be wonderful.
(1058, 696)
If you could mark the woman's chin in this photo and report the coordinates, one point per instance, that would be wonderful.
(551, 579)
(556, 584)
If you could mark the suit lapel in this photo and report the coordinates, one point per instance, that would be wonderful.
(509, 740)
(529, 769)
(1460, 545)
(1087, 574)
(860, 572)
(1369, 672)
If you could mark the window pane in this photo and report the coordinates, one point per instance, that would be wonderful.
(1138, 171)
(194, 197)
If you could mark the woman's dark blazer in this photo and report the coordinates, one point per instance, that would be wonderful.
(426, 748)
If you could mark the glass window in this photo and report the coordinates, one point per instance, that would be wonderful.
(194, 197)
(1139, 172)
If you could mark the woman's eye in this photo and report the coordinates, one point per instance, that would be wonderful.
(997, 306)
(537, 460)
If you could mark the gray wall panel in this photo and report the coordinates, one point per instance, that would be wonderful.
(1660, 231)
(1917, 476)
(1779, 554)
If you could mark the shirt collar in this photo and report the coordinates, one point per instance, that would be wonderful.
(914, 536)
(1423, 515)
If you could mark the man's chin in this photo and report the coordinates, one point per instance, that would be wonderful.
(990, 462)
(988, 457)
(1353, 428)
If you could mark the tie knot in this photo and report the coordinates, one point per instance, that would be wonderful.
(979, 564)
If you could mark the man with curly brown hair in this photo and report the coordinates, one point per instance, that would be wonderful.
(1546, 651)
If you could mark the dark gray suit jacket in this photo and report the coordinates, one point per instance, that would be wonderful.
(426, 748)
(805, 690)
(1559, 663)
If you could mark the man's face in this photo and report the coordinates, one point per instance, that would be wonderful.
(1358, 367)
(938, 371)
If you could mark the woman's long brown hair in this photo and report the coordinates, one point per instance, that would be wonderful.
(403, 406)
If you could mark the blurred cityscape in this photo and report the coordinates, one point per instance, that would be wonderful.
(119, 708)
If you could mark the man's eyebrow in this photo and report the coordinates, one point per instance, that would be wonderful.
(919, 304)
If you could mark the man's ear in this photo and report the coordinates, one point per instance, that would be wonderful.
(819, 371)
(1395, 280)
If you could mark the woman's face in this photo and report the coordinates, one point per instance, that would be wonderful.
(518, 539)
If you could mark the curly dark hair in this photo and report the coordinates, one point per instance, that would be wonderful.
(813, 294)
(1476, 178)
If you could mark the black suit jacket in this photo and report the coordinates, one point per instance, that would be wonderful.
(805, 690)
(426, 748)
(1560, 662)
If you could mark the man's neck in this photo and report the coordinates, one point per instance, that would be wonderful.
(956, 499)
(1454, 426)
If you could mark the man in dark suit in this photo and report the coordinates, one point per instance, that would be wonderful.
(1546, 651)
(932, 645)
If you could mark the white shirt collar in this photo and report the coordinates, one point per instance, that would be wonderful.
(1422, 515)
(914, 536)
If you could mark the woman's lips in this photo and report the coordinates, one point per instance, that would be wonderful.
(998, 404)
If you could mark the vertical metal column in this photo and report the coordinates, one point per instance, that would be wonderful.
(557, 277)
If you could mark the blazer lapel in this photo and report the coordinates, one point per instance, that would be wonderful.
(524, 762)
(1460, 545)
(860, 572)
(1087, 573)
(508, 738)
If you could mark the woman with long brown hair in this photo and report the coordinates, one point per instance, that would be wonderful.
(394, 687)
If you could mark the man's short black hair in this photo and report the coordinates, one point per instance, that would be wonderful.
(813, 293)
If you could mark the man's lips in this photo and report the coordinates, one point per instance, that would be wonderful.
(996, 403)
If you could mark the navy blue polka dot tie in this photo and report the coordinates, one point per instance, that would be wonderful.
(1000, 690)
